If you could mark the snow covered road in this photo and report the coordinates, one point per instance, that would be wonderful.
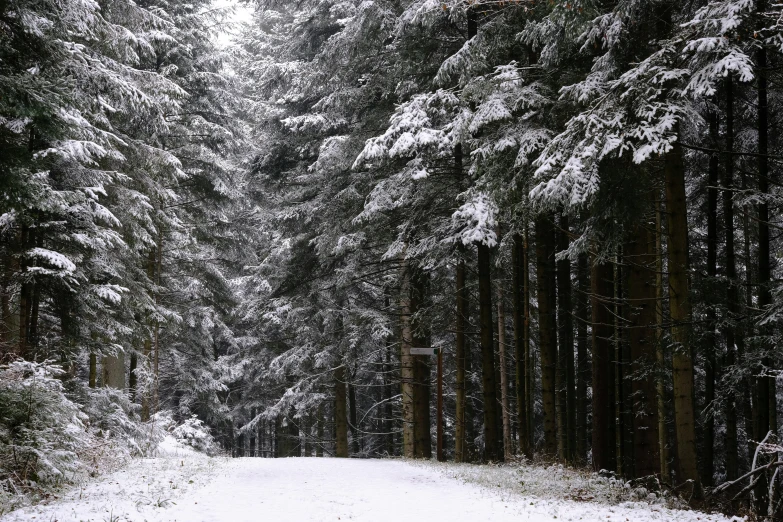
(196, 489)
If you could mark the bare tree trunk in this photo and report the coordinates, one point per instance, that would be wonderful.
(407, 365)
(566, 347)
(732, 297)
(765, 411)
(93, 376)
(530, 375)
(680, 308)
(602, 282)
(660, 355)
(461, 353)
(518, 282)
(582, 371)
(340, 412)
(352, 416)
(710, 344)
(421, 364)
(547, 325)
(492, 450)
(641, 258)
(508, 446)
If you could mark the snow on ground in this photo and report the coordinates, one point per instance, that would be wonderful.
(186, 487)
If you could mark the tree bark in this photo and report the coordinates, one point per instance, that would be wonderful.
(566, 346)
(508, 447)
(547, 325)
(421, 365)
(407, 365)
(680, 308)
(352, 417)
(518, 285)
(492, 449)
(582, 371)
(641, 258)
(660, 354)
(732, 296)
(340, 412)
(710, 344)
(603, 426)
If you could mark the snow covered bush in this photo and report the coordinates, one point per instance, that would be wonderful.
(42, 432)
(112, 416)
(195, 434)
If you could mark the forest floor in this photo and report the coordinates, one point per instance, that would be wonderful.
(181, 485)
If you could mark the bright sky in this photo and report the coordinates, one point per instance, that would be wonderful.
(242, 12)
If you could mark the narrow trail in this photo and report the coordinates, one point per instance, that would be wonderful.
(191, 488)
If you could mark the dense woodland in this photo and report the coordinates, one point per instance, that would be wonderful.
(576, 202)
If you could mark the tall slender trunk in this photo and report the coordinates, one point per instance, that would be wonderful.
(640, 256)
(421, 364)
(133, 381)
(582, 370)
(566, 346)
(508, 446)
(146, 399)
(765, 410)
(388, 425)
(530, 375)
(352, 417)
(603, 426)
(461, 353)
(732, 297)
(492, 449)
(619, 377)
(680, 309)
(319, 432)
(93, 375)
(710, 344)
(25, 296)
(518, 285)
(747, 403)
(156, 330)
(660, 354)
(340, 412)
(547, 325)
(406, 369)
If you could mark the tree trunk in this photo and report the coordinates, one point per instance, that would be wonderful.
(603, 432)
(641, 258)
(547, 325)
(530, 375)
(340, 412)
(566, 346)
(461, 353)
(765, 386)
(518, 283)
(319, 430)
(352, 417)
(582, 371)
(407, 365)
(508, 446)
(93, 375)
(132, 377)
(421, 365)
(680, 308)
(492, 450)
(710, 344)
(660, 354)
(732, 297)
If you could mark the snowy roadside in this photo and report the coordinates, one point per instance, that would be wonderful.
(185, 486)
(562, 493)
(135, 492)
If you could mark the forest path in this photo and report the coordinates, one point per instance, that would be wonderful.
(193, 488)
